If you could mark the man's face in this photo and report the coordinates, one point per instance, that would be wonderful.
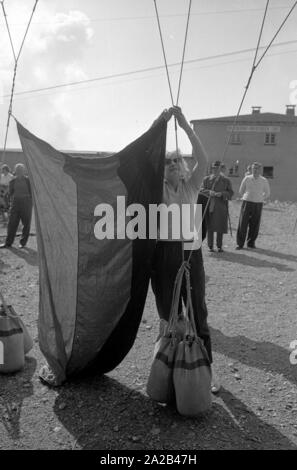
(256, 169)
(171, 168)
(216, 170)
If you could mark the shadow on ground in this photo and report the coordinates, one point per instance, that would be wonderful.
(27, 254)
(272, 209)
(14, 389)
(262, 355)
(101, 414)
(247, 260)
(277, 254)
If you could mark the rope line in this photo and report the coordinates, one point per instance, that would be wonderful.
(27, 29)
(179, 81)
(163, 49)
(253, 68)
(8, 30)
(178, 93)
(16, 59)
(184, 51)
(152, 69)
(276, 34)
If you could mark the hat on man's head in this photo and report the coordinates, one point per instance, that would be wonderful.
(216, 164)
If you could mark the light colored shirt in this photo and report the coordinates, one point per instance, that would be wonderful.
(254, 189)
(6, 179)
(186, 193)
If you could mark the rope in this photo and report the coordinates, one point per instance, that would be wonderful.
(253, 68)
(248, 83)
(156, 68)
(276, 34)
(163, 49)
(8, 30)
(16, 59)
(27, 29)
(184, 51)
(179, 81)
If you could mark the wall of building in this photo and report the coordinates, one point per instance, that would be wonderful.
(282, 156)
(12, 157)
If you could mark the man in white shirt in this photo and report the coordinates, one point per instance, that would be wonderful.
(254, 190)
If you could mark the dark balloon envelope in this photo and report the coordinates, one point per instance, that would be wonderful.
(92, 292)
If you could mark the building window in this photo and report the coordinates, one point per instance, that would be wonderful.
(270, 139)
(233, 170)
(268, 171)
(235, 139)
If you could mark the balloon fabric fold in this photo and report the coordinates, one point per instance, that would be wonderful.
(92, 291)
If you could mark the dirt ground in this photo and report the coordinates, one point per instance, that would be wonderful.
(251, 298)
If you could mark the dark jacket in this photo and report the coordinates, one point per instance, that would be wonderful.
(14, 191)
(217, 212)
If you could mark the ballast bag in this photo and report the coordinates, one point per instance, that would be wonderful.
(192, 377)
(160, 382)
(28, 342)
(12, 357)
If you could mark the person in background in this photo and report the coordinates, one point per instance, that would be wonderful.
(254, 190)
(219, 189)
(248, 170)
(21, 207)
(5, 177)
(223, 169)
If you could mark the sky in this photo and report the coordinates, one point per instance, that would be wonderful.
(117, 43)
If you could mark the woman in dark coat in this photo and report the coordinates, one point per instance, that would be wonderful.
(219, 189)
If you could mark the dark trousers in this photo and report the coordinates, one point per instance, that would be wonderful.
(249, 220)
(167, 261)
(21, 210)
(210, 239)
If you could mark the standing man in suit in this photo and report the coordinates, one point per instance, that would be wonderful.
(254, 190)
(219, 189)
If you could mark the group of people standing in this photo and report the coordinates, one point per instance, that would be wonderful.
(217, 188)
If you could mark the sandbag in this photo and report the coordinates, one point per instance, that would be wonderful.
(192, 377)
(28, 342)
(192, 371)
(12, 356)
(160, 381)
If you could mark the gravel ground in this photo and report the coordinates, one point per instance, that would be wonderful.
(251, 297)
